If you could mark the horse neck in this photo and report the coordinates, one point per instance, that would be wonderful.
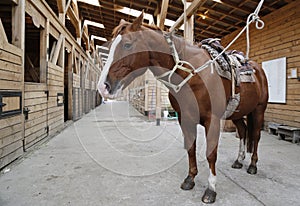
(164, 61)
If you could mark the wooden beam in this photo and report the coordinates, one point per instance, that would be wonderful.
(18, 25)
(163, 13)
(16, 2)
(44, 45)
(57, 49)
(61, 6)
(68, 5)
(74, 20)
(189, 12)
(2, 34)
(85, 36)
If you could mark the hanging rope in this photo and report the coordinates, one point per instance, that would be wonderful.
(259, 25)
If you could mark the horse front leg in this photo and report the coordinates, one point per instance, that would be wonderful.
(189, 130)
(189, 182)
(212, 130)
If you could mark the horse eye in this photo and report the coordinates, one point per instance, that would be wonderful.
(127, 46)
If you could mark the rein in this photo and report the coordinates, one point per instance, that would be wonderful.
(179, 64)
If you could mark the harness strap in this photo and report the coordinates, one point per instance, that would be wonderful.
(179, 64)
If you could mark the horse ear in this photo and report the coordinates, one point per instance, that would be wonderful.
(137, 23)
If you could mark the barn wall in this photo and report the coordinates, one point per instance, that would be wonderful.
(142, 94)
(64, 79)
(11, 78)
(279, 38)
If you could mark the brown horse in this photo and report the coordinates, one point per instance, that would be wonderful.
(202, 99)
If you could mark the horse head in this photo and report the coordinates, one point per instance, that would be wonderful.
(128, 57)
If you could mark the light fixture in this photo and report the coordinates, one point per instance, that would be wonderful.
(98, 37)
(136, 13)
(92, 2)
(92, 23)
(218, 1)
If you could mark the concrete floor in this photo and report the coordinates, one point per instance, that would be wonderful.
(114, 156)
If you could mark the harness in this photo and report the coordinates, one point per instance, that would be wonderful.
(189, 68)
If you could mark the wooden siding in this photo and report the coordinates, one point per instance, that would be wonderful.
(279, 38)
(11, 77)
(77, 103)
(37, 122)
(56, 86)
(142, 94)
(46, 117)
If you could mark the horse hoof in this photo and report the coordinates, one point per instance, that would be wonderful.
(209, 196)
(252, 170)
(237, 165)
(188, 183)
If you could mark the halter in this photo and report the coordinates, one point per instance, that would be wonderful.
(179, 64)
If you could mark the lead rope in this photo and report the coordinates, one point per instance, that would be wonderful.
(253, 17)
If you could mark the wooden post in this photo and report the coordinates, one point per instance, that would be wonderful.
(57, 50)
(18, 39)
(161, 20)
(61, 4)
(70, 84)
(163, 14)
(18, 25)
(158, 103)
(189, 26)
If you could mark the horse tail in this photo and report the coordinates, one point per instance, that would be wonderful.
(249, 135)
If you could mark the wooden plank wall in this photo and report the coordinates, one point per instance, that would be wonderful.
(11, 78)
(142, 94)
(55, 86)
(45, 117)
(37, 122)
(76, 96)
(279, 38)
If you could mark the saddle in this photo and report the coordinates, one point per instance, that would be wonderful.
(231, 64)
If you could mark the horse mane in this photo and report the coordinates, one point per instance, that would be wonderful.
(118, 29)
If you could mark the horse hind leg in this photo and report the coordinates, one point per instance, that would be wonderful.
(242, 131)
(255, 122)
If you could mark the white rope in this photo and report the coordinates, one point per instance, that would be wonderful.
(259, 25)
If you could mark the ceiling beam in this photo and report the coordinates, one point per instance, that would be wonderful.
(189, 12)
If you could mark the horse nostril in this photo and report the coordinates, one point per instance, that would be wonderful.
(107, 86)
